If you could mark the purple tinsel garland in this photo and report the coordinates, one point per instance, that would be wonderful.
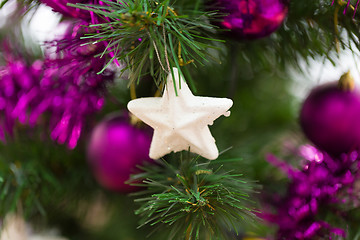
(87, 17)
(19, 90)
(72, 85)
(66, 84)
(323, 182)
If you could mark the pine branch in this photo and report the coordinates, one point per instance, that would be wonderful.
(307, 33)
(3, 2)
(41, 177)
(150, 36)
(194, 197)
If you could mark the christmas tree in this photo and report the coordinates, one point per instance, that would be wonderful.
(108, 126)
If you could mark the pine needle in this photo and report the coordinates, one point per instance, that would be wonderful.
(193, 199)
(139, 26)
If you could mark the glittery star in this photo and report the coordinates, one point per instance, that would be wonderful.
(180, 121)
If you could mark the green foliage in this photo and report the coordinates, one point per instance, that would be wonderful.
(151, 37)
(3, 2)
(310, 31)
(20, 183)
(194, 197)
(40, 177)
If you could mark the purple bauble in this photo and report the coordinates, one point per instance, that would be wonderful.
(116, 147)
(250, 19)
(330, 118)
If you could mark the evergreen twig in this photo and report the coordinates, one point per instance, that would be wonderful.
(193, 197)
(151, 37)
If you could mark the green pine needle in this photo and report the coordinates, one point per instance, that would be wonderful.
(39, 178)
(150, 37)
(193, 199)
(2, 3)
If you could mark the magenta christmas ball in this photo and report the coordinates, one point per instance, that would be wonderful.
(330, 118)
(115, 149)
(250, 19)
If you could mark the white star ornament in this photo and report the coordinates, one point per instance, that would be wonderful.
(180, 121)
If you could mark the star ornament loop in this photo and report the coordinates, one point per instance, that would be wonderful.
(180, 122)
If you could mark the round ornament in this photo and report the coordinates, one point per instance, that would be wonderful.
(330, 118)
(116, 147)
(250, 19)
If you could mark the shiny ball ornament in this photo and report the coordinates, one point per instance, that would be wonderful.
(116, 147)
(330, 118)
(250, 19)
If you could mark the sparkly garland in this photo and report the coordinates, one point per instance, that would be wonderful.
(321, 183)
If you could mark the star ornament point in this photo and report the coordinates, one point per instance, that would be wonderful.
(180, 121)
